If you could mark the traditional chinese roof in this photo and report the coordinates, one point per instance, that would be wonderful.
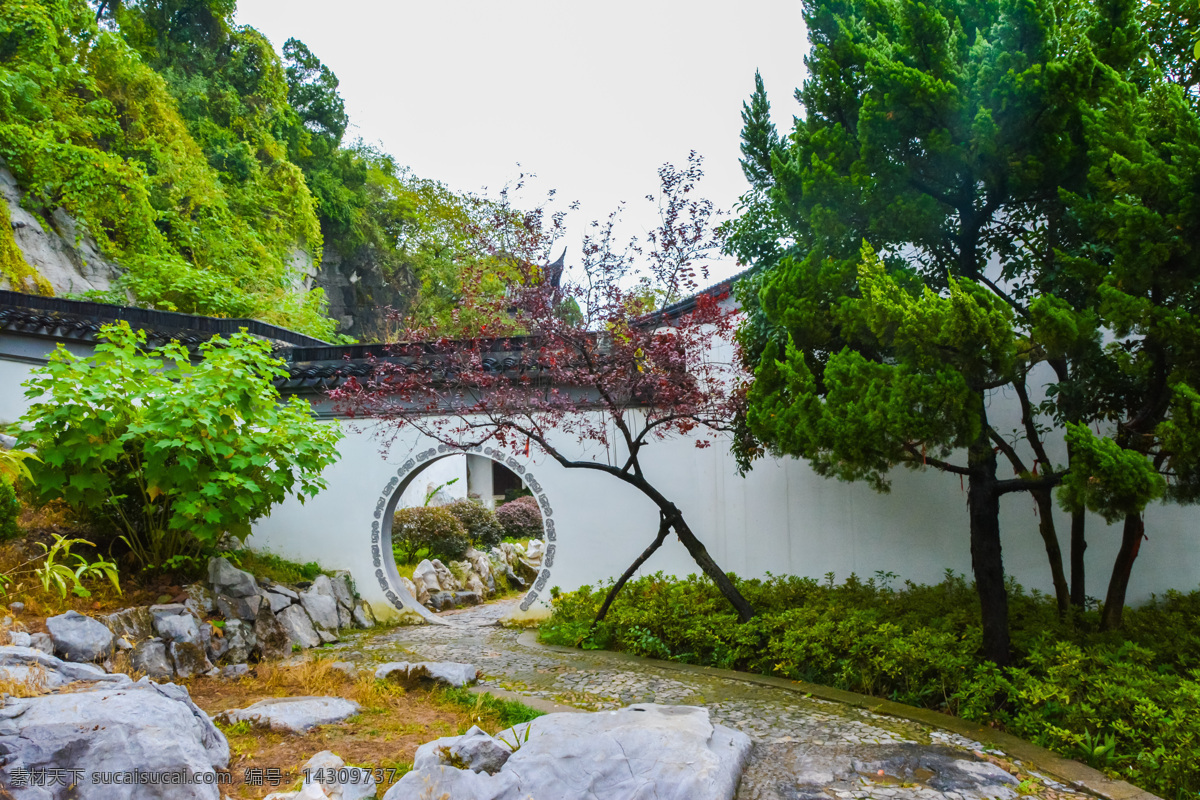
(77, 320)
(688, 304)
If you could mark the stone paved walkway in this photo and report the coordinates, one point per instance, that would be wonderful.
(804, 748)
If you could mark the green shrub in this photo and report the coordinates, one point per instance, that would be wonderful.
(483, 529)
(430, 528)
(169, 453)
(10, 509)
(1127, 702)
(521, 519)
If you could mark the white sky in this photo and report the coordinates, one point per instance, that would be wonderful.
(593, 98)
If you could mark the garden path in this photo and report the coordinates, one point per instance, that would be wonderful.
(804, 748)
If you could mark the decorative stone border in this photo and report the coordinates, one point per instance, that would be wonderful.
(381, 527)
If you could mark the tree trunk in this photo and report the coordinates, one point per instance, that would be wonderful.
(1062, 592)
(1078, 545)
(744, 610)
(1114, 601)
(987, 562)
(664, 528)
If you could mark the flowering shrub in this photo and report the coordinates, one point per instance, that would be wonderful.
(521, 519)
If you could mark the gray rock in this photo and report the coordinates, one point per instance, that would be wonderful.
(167, 610)
(226, 579)
(42, 642)
(646, 750)
(151, 658)
(293, 714)
(21, 663)
(243, 608)
(112, 729)
(235, 670)
(177, 628)
(217, 645)
(425, 575)
(514, 580)
(200, 599)
(345, 618)
(343, 589)
(134, 624)
(240, 641)
(359, 783)
(299, 627)
(348, 668)
(474, 750)
(79, 638)
(322, 585)
(444, 601)
(17, 607)
(19, 639)
(448, 672)
(287, 592)
(273, 639)
(321, 607)
(363, 616)
(277, 601)
(189, 659)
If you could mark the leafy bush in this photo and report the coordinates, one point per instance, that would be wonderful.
(1127, 702)
(521, 519)
(168, 453)
(430, 528)
(483, 528)
(10, 508)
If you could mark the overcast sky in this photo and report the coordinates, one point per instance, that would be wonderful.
(590, 97)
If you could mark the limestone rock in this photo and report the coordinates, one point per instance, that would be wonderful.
(325, 770)
(19, 639)
(299, 627)
(444, 601)
(134, 624)
(362, 615)
(240, 641)
(277, 600)
(42, 642)
(110, 728)
(321, 608)
(445, 577)
(279, 588)
(243, 608)
(474, 750)
(448, 672)
(293, 714)
(646, 750)
(189, 659)
(343, 589)
(79, 638)
(424, 575)
(322, 585)
(177, 628)
(228, 580)
(347, 668)
(21, 663)
(150, 657)
(235, 670)
(273, 638)
(535, 552)
(200, 600)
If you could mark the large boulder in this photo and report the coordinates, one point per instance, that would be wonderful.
(226, 579)
(109, 730)
(299, 627)
(452, 673)
(362, 614)
(322, 610)
(79, 638)
(646, 750)
(132, 624)
(293, 714)
(474, 750)
(343, 589)
(273, 638)
(177, 628)
(243, 608)
(42, 670)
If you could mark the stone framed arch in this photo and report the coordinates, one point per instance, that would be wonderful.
(385, 574)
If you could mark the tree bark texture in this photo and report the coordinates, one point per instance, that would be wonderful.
(1078, 546)
(983, 501)
(1118, 584)
(1062, 592)
(700, 555)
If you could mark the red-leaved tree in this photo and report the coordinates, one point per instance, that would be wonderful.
(620, 352)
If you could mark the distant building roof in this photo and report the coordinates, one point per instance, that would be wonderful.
(688, 304)
(77, 320)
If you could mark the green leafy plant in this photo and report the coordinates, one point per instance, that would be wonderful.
(167, 452)
(433, 491)
(431, 529)
(57, 569)
(483, 527)
(10, 508)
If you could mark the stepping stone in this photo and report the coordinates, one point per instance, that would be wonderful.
(448, 672)
(293, 714)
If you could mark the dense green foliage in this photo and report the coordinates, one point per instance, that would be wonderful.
(10, 509)
(429, 529)
(167, 454)
(1070, 687)
(483, 528)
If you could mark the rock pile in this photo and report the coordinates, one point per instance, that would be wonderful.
(473, 580)
(257, 619)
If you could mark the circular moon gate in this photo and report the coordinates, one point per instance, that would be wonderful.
(381, 528)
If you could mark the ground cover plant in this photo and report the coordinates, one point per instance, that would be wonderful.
(1127, 701)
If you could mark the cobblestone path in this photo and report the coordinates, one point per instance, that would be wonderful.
(804, 748)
